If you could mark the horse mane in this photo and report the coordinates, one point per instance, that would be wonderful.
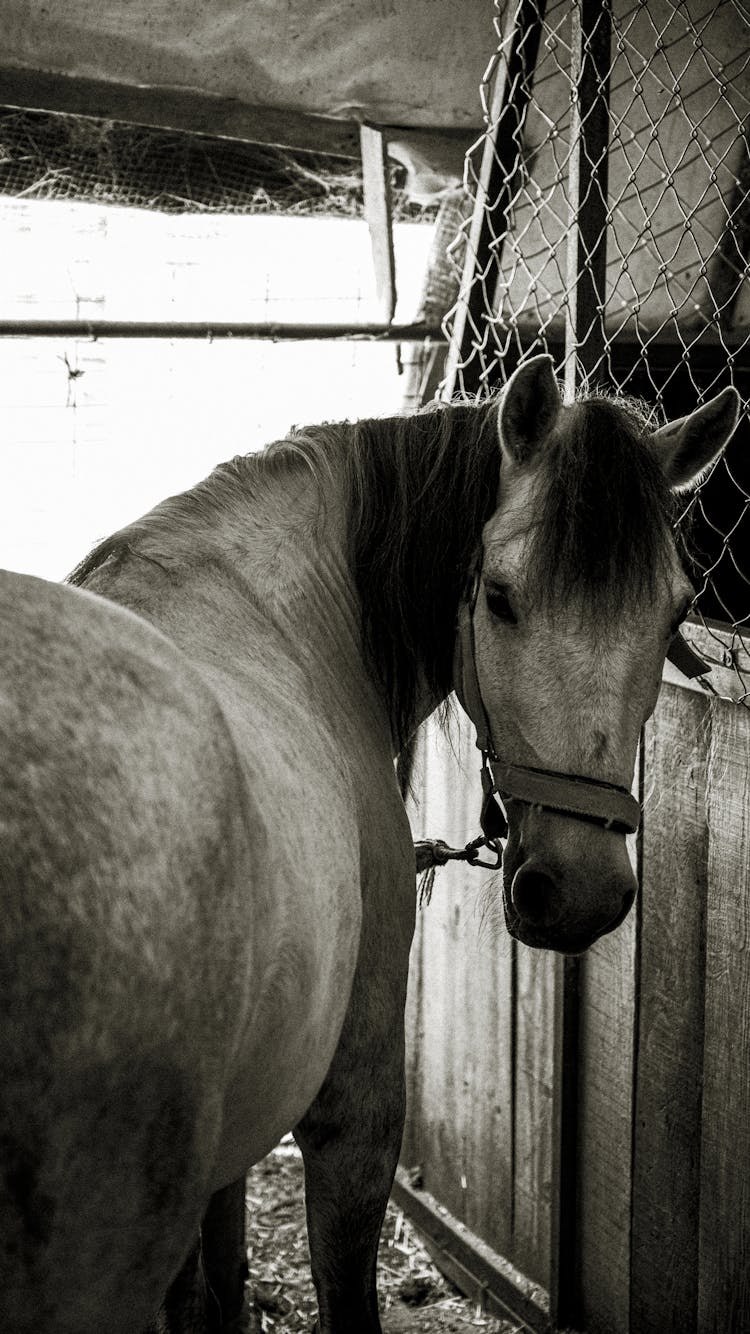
(418, 489)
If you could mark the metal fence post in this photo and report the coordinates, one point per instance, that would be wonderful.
(591, 31)
(500, 162)
(587, 189)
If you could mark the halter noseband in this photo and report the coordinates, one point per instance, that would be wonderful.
(583, 798)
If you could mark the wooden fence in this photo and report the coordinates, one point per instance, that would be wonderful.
(609, 1164)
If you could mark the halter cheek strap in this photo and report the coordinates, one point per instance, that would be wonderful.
(583, 798)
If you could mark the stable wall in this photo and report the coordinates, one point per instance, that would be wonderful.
(649, 1197)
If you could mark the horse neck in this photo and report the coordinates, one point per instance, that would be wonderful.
(237, 575)
(262, 549)
(297, 567)
(299, 564)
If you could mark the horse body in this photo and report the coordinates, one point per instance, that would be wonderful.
(207, 865)
(191, 903)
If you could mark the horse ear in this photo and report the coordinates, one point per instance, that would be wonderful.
(529, 409)
(689, 446)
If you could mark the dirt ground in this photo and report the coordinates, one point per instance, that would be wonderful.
(415, 1298)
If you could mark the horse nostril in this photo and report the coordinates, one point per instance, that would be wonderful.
(534, 894)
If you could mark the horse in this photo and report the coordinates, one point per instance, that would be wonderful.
(207, 870)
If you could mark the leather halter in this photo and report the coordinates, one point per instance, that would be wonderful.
(582, 798)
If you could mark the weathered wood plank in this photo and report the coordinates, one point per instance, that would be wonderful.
(376, 183)
(191, 111)
(605, 1108)
(724, 1245)
(483, 1274)
(482, 1092)
(534, 1061)
(666, 1167)
(638, 1163)
(461, 1124)
(563, 1280)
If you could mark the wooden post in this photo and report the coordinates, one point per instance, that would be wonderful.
(182, 109)
(563, 1294)
(377, 198)
(666, 1196)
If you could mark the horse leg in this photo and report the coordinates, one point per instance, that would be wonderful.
(184, 1309)
(351, 1135)
(207, 1294)
(225, 1253)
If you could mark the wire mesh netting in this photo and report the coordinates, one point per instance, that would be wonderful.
(612, 229)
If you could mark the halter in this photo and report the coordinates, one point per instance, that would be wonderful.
(607, 804)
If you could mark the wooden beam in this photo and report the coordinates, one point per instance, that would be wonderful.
(670, 1017)
(724, 1239)
(376, 183)
(179, 109)
(188, 111)
(478, 1271)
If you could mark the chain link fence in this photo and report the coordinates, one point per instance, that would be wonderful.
(611, 227)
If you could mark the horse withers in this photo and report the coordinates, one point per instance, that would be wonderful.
(206, 866)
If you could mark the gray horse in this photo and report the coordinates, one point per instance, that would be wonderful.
(206, 867)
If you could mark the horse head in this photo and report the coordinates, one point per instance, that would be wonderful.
(577, 591)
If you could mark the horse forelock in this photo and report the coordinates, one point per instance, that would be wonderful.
(602, 533)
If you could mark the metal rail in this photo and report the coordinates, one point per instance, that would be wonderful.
(215, 329)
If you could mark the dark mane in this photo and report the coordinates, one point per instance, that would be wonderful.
(418, 490)
(604, 526)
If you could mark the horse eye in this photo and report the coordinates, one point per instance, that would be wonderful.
(499, 604)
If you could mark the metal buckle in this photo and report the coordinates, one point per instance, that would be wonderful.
(493, 820)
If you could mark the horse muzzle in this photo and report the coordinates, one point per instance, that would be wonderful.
(564, 885)
(566, 898)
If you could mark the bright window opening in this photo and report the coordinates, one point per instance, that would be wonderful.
(95, 433)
